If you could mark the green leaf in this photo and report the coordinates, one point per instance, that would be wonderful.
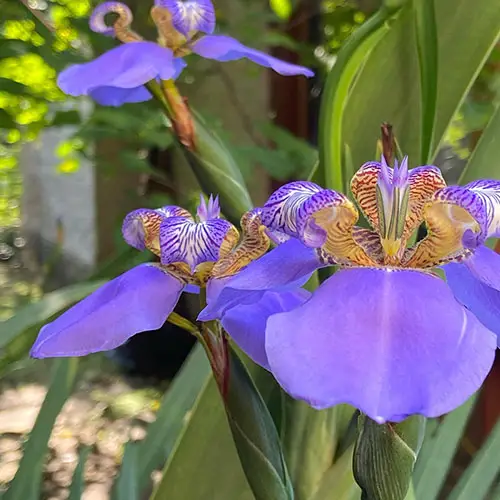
(387, 87)
(205, 448)
(282, 8)
(481, 473)
(338, 482)
(126, 486)
(26, 483)
(255, 435)
(12, 87)
(78, 481)
(217, 172)
(6, 120)
(173, 415)
(310, 440)
(384, 457)
(335, 96)
(483, 162)
(438, 451)
(426, 30)
(62, 118)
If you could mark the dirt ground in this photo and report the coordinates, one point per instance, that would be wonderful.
(104, 412)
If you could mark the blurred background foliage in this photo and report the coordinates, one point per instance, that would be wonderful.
(38, 38)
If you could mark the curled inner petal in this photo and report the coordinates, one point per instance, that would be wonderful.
(253, 245)
(320, 218)
(141, 228)
(120, 27)
(457, 219)
(194, 243)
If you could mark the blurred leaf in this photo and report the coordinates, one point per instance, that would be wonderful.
(282, 8)
(427, 48)
(6, 120)
(12, 87)
(126, 487)
(27, 481)
(437, 452)
(62, 118)
(13, 48)
(78, 480)
(174, 414)
(483, 162)
(310, 440)
(387, 88)
(480, 474)
(217, 172)
(338, 482)
(385, 455)
(255, 435)
(335, 97)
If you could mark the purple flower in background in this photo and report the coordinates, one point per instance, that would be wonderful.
(384, 333)
(184, 27)
(191, 253)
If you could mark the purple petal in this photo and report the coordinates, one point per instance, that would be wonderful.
(189, 16)
(183, 240)
(476, 284)
(114, 96)
(139, 300)
(141, 228)
(225, 48)
(391, 343)
(246, 324)
(97, 23)
(285, 268)
(128, 66)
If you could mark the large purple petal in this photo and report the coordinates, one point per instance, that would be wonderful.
(247, 323)
(285, 268)
(114, 96)
(476, 284)
(189, 16)
(127, 67)
(139, 300)
(226, 48)
(391, 343)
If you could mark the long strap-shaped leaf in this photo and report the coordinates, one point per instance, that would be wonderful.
(426, 30)
(337, 86)
(437, 453)
(26, 483)
(479, 476)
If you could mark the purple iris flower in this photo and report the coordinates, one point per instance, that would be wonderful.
(385, 333)
(184, 27)
(191, 253)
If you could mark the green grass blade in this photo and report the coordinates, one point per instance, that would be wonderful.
(479, 476)
(427, 47)
(126, 486)
(26, 482)
(337, 86)
(436, 456)
(78, 481)
(483, 162)
(172, 415)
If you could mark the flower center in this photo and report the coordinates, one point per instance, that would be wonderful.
(393, 191)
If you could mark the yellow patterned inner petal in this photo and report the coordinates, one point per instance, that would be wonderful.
(168, 36)
(253, 245)
(446, 225)
(338, 223)
(424, 182)
(364, 190)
